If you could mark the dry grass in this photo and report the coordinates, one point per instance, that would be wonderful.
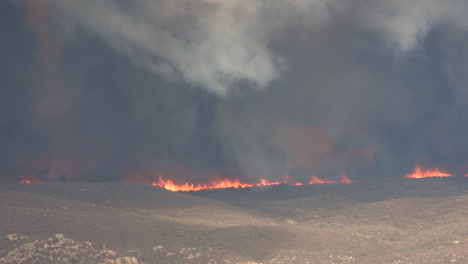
(411, 221)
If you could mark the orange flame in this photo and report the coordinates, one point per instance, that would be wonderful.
(236, 183)
(418, 174)
(185, 187)
(315, 180)
(345, 179)
(264, 182)
(24, 180)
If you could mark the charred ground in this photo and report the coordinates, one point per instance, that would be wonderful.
(404, 221)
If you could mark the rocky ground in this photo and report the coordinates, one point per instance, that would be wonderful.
(397, 222)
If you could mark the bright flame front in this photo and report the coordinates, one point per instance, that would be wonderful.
(236, 183)
(418, 173)
(185, 187)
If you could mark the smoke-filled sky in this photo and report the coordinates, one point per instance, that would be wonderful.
(105, 90)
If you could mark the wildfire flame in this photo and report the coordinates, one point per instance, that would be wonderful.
(418, 174)
(236, 183)
(185, 187)
(315, 180)
(264, 182)
(27, 179)
(345, 179)
(24, 180)
(223, 183)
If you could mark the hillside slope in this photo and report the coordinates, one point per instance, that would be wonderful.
(390, 222)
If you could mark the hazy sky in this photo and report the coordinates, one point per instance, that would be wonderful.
(100, 90)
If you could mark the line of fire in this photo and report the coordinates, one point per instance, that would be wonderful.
(223, 183)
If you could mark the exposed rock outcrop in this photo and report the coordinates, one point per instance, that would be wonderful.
(58, 249)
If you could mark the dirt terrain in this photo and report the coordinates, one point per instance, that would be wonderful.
(398, 222)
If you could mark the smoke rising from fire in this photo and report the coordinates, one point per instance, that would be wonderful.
(252, 89)
(212, 44)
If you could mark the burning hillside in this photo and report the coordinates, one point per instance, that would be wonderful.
(226, 182)
(383, 222)
(236, 183)
(418, 174)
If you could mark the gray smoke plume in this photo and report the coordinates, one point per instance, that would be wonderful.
(252, 89)
(212, 44)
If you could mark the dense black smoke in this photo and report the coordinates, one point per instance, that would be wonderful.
(103, 90)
